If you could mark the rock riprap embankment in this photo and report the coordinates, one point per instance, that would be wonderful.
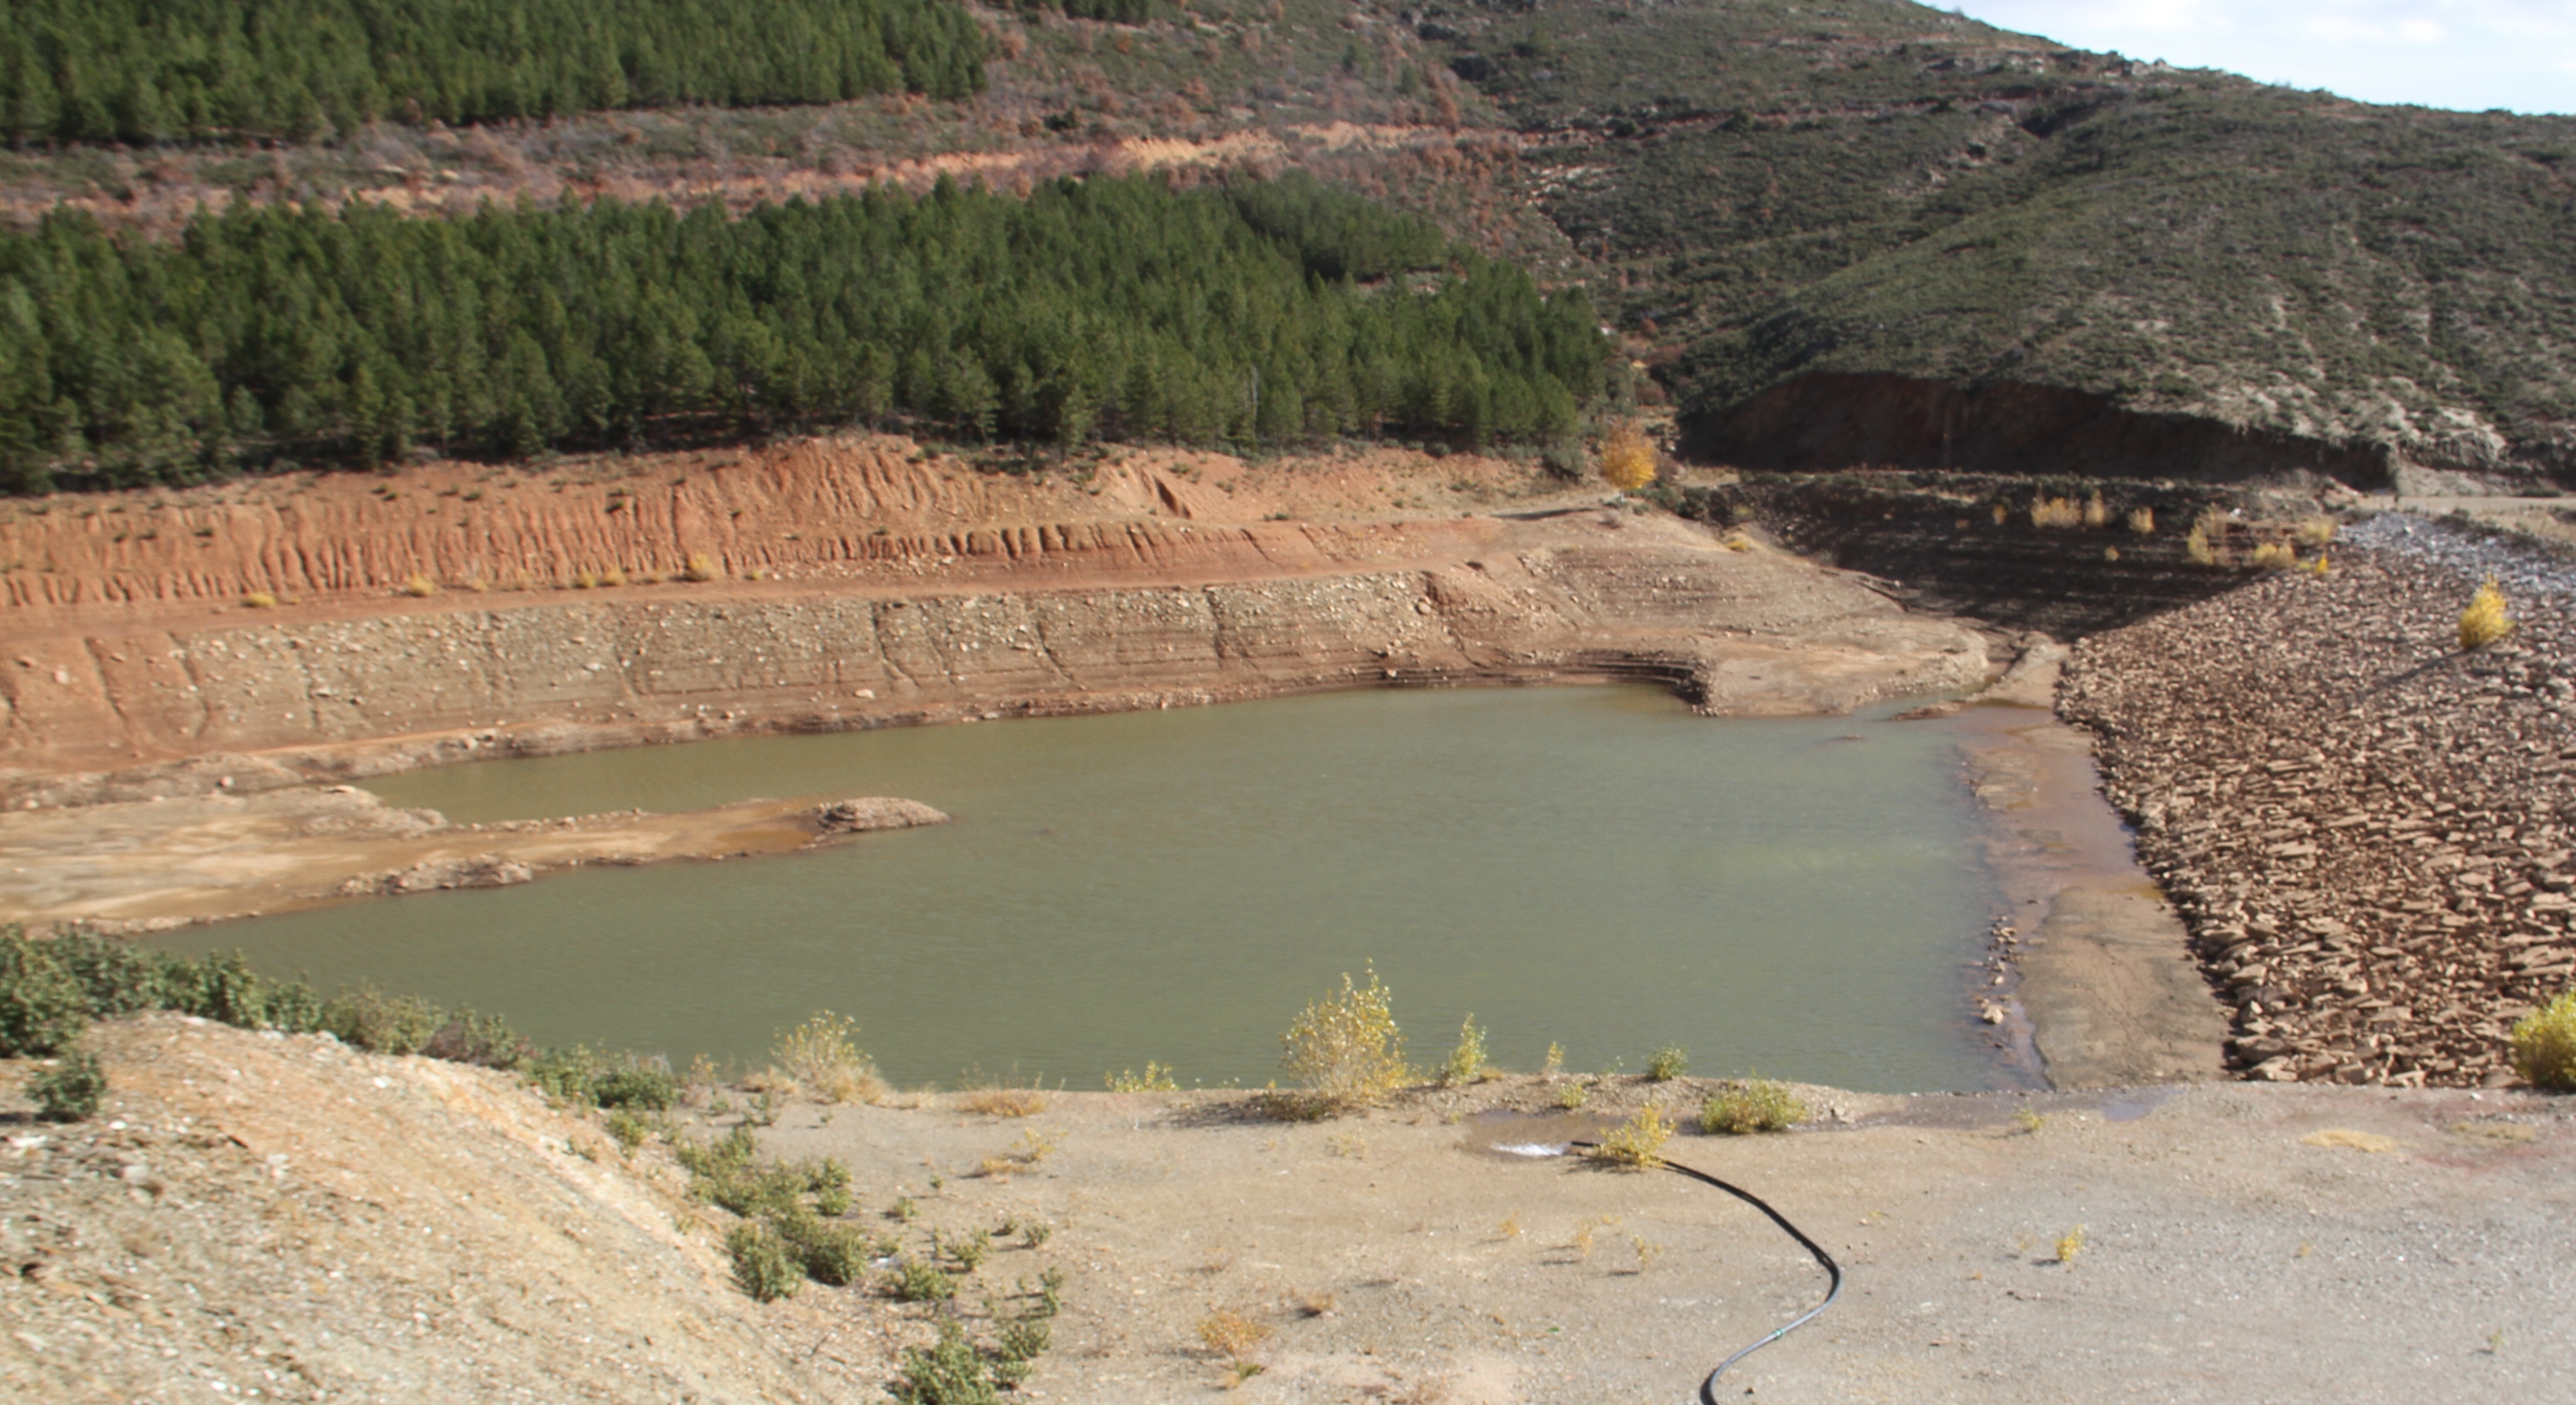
(2367, 828)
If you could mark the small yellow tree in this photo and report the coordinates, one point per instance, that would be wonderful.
(1627, 459)
(2485, 621)
(1346, 1049)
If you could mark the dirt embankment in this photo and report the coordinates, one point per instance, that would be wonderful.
(284, 1215)
(856, 583)
(2367, 828)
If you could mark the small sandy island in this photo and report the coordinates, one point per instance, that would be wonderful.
(165, 861)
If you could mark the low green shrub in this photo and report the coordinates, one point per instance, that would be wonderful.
(42, 1009)
(917, 1281)
(367, 1018)
(950, 1372)
(2544, 1045)
(630, 1130)
(1751, 1105)
(636, 1085)
(762, 1265)
(70, 1090)
(831, 1252)
(487, 1040)
(1669, 1062)
(1016, 1349)
(1466, 1063)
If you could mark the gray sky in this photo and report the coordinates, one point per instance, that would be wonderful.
(2470, 54)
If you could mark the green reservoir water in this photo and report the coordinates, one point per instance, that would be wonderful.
(1594, 866)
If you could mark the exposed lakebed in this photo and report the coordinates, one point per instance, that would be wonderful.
(1595, 866)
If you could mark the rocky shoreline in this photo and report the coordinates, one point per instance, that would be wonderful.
(2367, 829)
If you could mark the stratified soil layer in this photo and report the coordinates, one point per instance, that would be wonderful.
(348, 625)
(2366, 826)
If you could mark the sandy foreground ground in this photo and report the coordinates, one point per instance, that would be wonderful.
(444, 1235)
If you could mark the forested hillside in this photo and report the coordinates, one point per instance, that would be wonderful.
(159, 70)
(1103, 308)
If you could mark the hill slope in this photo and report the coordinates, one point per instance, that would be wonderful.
(1882, 189)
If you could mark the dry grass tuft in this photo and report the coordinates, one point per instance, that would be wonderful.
(2055, 512)
(2349, 1140)
(701, 567)
(2070, 1244)
(2097, 514)
(1232, 1335)
(1002, 1102)
(2486, 620)
(2142, 520)
(260, 600)
(2315, 532)
(420, 586)
(2275, 556)
(2207, 543)
(1024, 1156)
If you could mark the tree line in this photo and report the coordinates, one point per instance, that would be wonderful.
(1094, 309)
(157, 70)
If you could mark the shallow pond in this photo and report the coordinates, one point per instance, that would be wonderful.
(1597, 867)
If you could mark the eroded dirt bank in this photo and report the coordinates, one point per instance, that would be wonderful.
(2367, 828)
(286, 1215)
(859, 583)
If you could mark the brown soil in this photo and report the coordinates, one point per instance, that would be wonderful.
(438, 1234)
(2364, 826)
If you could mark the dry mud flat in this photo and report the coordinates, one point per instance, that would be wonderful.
(2368, 829)
(439, 1234)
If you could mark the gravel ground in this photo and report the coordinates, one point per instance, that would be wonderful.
(2366, 827)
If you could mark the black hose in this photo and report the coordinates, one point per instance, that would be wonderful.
(1708, 1387)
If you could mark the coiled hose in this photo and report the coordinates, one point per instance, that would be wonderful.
(1833, 1271)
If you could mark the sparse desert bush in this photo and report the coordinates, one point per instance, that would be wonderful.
(418, 585)
(1574, 1095)
(1637, 1143)
(2055, 512)
(762, 1265)
(701, 567)
(2096, 513)
(1155, 1079)
(1232, 1335)
(2315, 532)
(1668, 1063)
(1347, 1049)
(583, 579)
(628, 1130)
(614, 575)
(2206, 543)
(823, 1057)
(1627, 459)
(2486, 620)
(1555, 1061)
(1751, 1105)
(2544, 1045)
(1466, 1063)
(260, 600)
(2070, 1244)
(70, 1090)
(2275, 556)
(2142, 521)
(643, 1085)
